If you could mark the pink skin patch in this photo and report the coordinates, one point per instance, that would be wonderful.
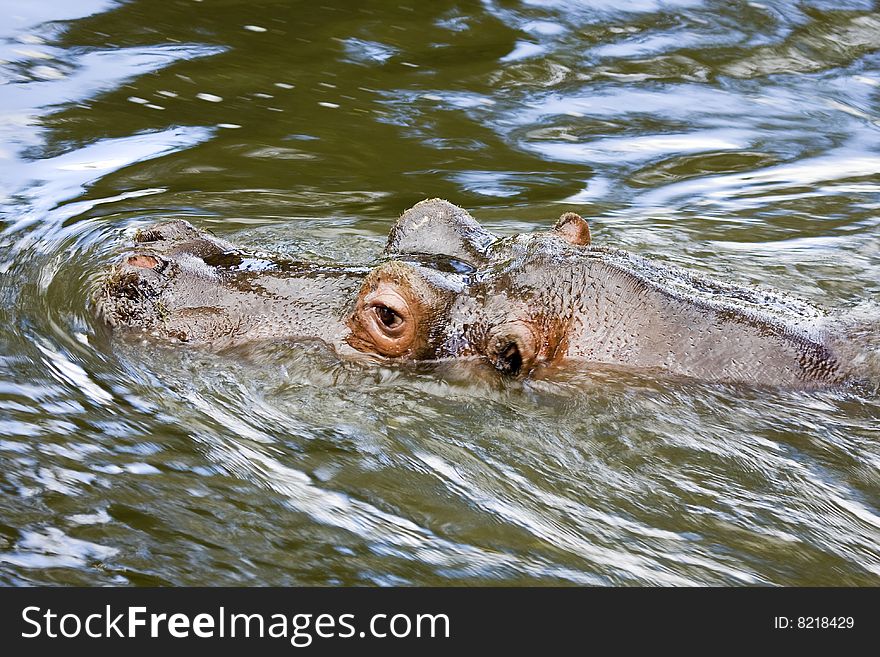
(143, 261)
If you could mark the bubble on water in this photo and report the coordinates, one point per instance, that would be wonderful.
(544, 27)
(460, 100)
(47, 72)
(211, 98)
(368, 51)
(32, 54)
(30, 38)
(98, 518)
(154, 106)
(108, 469)
(228, 126)
(138, 100)
(63, 480)
(522, 50)
(254, 28)
(52, 548)
(12, 446)
(142, 468)
(16, 428)
(330, 105)
(864, 79)
(284, 85)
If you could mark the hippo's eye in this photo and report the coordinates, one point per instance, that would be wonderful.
(388, 317)
(384, 321)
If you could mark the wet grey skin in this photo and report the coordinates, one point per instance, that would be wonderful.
(181, 283)
(444, 287)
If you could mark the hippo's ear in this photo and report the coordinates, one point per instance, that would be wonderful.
(573, 229)
(436, 227)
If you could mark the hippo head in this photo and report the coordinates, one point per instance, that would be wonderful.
(447, 288)
(443, 287)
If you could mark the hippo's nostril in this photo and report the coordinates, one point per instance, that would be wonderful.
(512, 348)
(143, 261)
(509, 359)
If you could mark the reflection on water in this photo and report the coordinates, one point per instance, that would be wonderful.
(739, 139)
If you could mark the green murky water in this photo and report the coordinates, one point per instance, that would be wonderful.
(738, 138)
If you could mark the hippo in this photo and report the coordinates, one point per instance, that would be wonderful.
(446, 288)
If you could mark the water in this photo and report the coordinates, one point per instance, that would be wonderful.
(736, 138)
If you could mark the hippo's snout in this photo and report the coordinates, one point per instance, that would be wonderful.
(165, 263)
(130, 294)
